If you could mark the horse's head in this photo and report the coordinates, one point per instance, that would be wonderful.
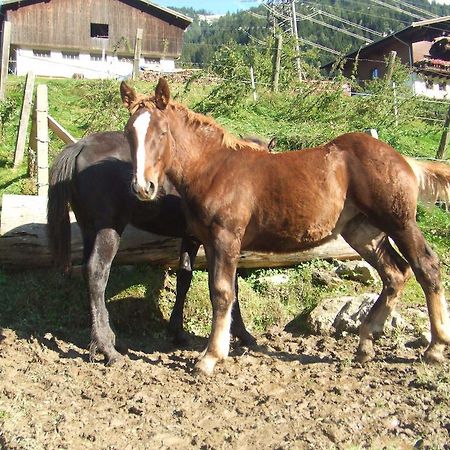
(148, 134)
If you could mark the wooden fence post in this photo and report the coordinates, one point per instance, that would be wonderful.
(6, 42)
(137, 53)
(444, 138)
(42, 138)
(390, 66)
(24, 120)
(277, 63)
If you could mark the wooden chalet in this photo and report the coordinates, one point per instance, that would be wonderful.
(423, 46)
(91, 38)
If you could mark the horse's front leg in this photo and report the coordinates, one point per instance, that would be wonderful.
(96, 272)
(222, 257)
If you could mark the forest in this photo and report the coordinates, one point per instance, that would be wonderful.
(256, 24)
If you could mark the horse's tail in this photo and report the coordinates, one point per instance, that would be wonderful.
(59, 197)
(434, 180)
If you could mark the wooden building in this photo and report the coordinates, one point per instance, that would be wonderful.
(413, 46)
(92, 38)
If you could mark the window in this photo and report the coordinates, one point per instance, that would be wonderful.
(375, 73)
(100, 30)
(42, 53)
(96, 57)
(443, 86)
(151, 61)
(429, 83)
(125, 58)
(70, 55)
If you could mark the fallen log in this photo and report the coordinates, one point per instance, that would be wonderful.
(24, 244)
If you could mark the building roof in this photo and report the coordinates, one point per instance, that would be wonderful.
(168, 11)
(416, 30)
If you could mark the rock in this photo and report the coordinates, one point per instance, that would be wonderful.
(357, 271)
(274, 280)
(323, 278)
(342, 315)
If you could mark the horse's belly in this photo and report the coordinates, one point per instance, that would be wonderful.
(288, 239)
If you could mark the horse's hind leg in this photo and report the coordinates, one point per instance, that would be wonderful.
(188, 252)
(96, 272)
(237, 323)
(426, 267)
(374, 246)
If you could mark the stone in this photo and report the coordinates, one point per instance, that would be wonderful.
(343, 315)
(357, 271)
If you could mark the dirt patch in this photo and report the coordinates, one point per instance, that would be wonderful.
(290, 392)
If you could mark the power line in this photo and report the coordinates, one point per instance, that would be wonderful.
(321, 47)
(341, 30)
(395, 8)
(416, 8)
(341, 19)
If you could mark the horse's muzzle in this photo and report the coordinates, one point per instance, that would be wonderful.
(148, 192)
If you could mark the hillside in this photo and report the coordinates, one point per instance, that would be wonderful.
(203, 39)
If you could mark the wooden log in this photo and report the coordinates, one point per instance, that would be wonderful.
(24, 244)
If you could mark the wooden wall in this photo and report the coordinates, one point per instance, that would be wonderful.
(66, 25)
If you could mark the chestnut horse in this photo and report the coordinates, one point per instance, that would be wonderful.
(238, 198)
(94, 177)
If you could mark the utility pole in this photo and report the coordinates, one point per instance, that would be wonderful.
(295, 34)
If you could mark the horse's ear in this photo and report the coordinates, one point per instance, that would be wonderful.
(162, 94)
(272, 143)
(128, 95)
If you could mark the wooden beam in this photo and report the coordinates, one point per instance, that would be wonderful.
(24, 244)
(137, 53)
(42, 139)
(60, 131)
(6, 42)
(24, 120)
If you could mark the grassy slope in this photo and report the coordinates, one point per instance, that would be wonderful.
(41, 300)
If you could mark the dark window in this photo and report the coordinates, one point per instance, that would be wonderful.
(443, 86)
(100, 30)
(375, 73)
(70, 55)
(42, 53)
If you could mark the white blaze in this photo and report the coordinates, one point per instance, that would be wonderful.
(141, 125)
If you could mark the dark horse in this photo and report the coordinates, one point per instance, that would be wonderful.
(94, 177)
(238, 198)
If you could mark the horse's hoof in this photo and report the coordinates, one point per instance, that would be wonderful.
(364, 357)
(434, 356)
(115, 359)
(205, 366)
(246, 339)
(180, 339)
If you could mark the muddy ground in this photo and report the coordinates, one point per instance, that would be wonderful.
(290, 392)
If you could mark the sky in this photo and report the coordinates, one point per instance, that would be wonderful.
(214, 6)
(224, 6)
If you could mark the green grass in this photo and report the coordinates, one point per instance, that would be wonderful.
(140, 298)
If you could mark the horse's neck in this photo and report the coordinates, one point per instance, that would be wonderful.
(197, 150)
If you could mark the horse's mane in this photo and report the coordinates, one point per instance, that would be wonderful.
(200, 120)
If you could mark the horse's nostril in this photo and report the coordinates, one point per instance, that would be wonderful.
(150, 188)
